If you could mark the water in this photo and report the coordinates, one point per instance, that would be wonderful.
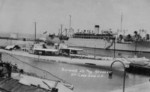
(84, 79)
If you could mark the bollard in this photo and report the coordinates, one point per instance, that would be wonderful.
(110, 75)
(54, 90)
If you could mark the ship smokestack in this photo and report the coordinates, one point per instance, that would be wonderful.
(96, 29)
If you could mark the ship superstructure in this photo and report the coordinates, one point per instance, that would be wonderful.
(109, 40)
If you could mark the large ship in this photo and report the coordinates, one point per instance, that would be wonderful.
(108, 40)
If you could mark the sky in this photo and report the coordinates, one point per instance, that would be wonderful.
(20, 15)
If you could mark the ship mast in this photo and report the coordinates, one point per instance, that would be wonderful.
(121, 24)
(61, 29)
(35, 32)
(69, 22)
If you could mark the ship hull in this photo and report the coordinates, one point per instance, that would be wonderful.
(109, 44)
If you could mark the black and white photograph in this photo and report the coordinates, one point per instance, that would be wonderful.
(74, 45)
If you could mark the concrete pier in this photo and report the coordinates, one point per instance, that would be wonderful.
(104, 62)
